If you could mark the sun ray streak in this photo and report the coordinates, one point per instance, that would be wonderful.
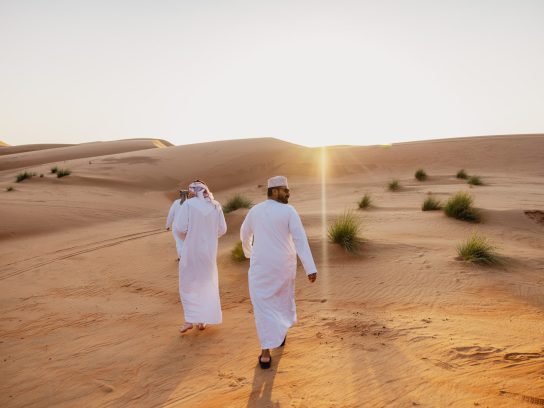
(324, 253)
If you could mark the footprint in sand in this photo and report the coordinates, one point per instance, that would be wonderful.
(522, 356)
(475, 352)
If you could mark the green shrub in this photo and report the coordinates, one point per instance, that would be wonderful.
(237, 253)
(393, 185)
(345, 231)
(460, 206)
(63, 173)
(54, 169)
(461, 174)
(420, 175)
(238, 201)
(365, 201)
(23, 176)
(474, 181)
(477, 249)
(431, 204)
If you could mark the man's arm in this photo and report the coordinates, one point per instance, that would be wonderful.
(246, 234)
(222, 228)
(301, 245)
(170, 218)
(181, 221)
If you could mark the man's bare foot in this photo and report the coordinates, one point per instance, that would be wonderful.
(186, 327)
(201, 326)
(265, 356)
(265, 359)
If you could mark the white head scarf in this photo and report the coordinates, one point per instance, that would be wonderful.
(202, 192)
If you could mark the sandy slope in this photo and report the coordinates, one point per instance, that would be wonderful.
(29, 148)
(91, 307)
(32, 155)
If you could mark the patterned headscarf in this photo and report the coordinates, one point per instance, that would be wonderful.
(202, 192)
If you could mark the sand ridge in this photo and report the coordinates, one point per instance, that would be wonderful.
(91, 306)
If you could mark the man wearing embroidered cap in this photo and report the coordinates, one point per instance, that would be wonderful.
(272, 235)
(199, 222)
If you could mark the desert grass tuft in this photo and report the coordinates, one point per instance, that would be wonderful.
(393, 185)
(345, 231)
(420, 175)
(23, 176)
(54, 169)
(63, 173)
(10, 188)
(474, 181)
(431, 204)
(236, 202)
(461, 174)
(365, 202)
(237, 253)
(460, 206)
(478, 249)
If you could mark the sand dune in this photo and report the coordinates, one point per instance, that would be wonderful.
(33, 155)
(29, 148)
(91, 306)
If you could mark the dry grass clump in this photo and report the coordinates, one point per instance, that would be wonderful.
(420, 175)
(460, 206)
(393, 185)
(54, 169)
(237, 253)
(365, 202)
(63, 173)
(478, 249)
(23, 176)
(345, 231)
(474, 181)
(461, 174)
(431, 204)
(236, 202)
(10, 188)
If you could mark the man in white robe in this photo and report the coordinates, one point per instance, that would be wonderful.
(200, 222)
(272, 235)
(174, 209)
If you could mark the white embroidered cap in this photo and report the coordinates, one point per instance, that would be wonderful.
(277, 181)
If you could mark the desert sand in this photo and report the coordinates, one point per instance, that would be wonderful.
(90, 304)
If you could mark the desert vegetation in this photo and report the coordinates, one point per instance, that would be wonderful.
(236, 202)
(459, 206)
(420, 175)
(345, 231)
(431, 204)
(237, 253)
(23, 176)
(365, 202)
(478, 249)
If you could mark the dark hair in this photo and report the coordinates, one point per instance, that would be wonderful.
(269, 191)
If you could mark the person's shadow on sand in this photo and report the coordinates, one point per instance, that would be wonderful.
(263, 382)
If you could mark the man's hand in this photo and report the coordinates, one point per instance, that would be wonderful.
(167, 228)
(312, 277)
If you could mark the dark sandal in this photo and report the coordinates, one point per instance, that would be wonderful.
(264, 364)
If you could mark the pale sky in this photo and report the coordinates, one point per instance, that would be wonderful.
(307, 71)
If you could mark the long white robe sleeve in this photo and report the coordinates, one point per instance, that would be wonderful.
(170, 223)
(272, 235)
(200, 223)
